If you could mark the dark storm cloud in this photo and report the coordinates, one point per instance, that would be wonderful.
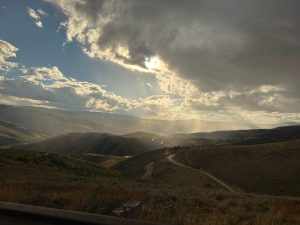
(228, 45)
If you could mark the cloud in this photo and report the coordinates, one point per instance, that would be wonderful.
(42, 12)
(36, 15)
(49, 87)
(7, 51)
(198, 48)
(49, 84)
(12, 100)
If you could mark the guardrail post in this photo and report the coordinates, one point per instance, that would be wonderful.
(132, 209)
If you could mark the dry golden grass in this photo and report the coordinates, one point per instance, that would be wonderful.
(32, 179)
(278, 165)
(164, 208)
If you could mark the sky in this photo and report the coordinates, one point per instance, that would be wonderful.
(211, 60)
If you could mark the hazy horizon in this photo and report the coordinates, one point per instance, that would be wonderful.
(120, 124)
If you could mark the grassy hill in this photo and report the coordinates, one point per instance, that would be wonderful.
(255, 136)
(155, 167)
(25, 161)
(272, 168)
(51, 180)
(98, 143)
(106, 161)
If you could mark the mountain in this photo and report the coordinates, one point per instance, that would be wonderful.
(53, 122)
(48, 121)
(130, 124)
(255, 136)
(98, 143)
(11, 134)
(43, 123)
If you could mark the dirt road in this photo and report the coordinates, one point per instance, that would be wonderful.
(227, 187)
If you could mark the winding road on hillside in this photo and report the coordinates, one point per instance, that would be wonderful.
(227, 187)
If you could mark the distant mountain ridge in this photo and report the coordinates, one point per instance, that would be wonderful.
(48, 122)
(53, 122)
(99, 143)
(81, 132)
(11, 134)
(255, 136)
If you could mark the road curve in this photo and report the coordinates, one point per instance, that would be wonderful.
(227, 187)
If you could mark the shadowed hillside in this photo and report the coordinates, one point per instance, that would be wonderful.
(256, 136)
(24, 163)
(272, 168)
(105, 144)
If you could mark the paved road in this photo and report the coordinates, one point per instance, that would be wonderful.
(227, 187)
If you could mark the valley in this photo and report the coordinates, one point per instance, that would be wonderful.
(223, 177)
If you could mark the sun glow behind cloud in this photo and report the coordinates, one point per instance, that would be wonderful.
(152, 63)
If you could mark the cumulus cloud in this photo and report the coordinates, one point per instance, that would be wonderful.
(7, 51)
(36, 16)
(49, 87)
(13, 100)
(198, 48)
(49, 84)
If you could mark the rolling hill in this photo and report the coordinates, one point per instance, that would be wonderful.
(11, 134)
(155, 167)
(98, 143)
(48, 122)
(54, 121)
(254, 136)
(56, 181)
(25, 161)
(272, 168)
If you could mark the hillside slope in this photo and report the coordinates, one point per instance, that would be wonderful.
(22, 162)
(11, 134)
(105, 144)
(54, 181)
(54, 121)
(48, 121)
(266, 169)
(155, 167)
(255, 136)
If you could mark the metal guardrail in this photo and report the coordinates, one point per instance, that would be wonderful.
(20, 214)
